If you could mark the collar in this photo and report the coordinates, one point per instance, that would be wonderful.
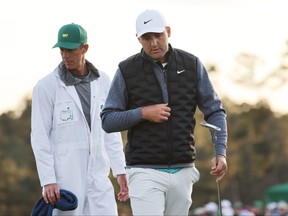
(67, 77)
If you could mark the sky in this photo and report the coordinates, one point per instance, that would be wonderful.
(214, 30)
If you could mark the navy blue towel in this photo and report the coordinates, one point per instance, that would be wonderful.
(67, 202)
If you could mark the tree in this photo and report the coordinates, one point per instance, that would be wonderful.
(19, 185)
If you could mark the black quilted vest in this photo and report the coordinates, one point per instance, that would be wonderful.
(172, 142)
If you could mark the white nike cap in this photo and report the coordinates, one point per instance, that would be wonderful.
(150, 21)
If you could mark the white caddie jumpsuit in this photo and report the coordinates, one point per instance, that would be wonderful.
(67, 152)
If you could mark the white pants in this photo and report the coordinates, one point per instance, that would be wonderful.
(154, 192)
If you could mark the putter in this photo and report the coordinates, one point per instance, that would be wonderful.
(214, 130)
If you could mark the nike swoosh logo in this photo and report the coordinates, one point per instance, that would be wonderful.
(179, 72)
(145, 22)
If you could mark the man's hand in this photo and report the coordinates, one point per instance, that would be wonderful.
(219, 167)
(123, 194)
(51, 193)
(156, 113)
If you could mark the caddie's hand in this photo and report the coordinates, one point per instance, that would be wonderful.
(123, 194)
(51, 193)
(219, 167)
(156, 113)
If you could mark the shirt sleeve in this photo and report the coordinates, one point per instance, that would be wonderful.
(115, 116)
(211, 107)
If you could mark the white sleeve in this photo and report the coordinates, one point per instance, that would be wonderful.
(114, 148)
(113, 141)
(41, 124)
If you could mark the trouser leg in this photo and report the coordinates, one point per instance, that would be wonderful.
(159, 193)
(178, 197)
(147, 189)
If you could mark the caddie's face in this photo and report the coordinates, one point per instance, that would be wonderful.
(156, 45)
(74, 58)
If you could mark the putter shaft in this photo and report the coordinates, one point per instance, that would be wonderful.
(214, 130)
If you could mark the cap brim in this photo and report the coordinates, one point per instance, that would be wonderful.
(67, 45)
(151, 30)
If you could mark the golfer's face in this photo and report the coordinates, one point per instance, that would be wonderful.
(155, 45)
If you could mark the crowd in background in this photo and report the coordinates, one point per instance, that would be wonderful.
(258, 208)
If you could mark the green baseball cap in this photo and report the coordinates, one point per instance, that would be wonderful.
(71, 36)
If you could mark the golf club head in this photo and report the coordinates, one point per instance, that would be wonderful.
(210, 126)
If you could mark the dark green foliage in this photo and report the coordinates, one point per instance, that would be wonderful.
(19, 184)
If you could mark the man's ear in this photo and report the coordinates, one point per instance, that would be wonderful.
(139, 39)
(85, 47)
(168, 30)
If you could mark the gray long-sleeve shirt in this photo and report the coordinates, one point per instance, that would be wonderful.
(116, 117)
